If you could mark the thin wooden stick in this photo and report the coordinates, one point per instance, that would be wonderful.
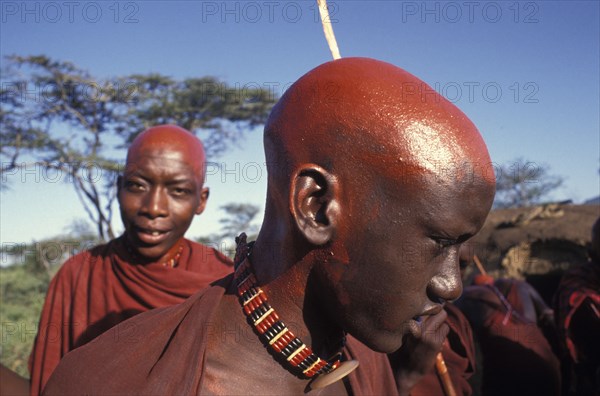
(479, 265)
(442, 370)
(328, 29)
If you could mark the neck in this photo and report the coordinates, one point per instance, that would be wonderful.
(169, 259)
(287, 283)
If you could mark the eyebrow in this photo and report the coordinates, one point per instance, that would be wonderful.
(461, 239)
(180, 181)
(132, 172)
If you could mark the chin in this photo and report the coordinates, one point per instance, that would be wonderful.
(384, 343)
(151, 253)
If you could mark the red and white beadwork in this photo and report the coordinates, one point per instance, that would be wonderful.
(278, 338)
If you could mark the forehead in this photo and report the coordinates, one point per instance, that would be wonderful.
(448, 148)
(456, 207)
(163, 162)
(430, 150)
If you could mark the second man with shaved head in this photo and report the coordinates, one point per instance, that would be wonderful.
(151, 265)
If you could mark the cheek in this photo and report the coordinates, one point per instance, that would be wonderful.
(376, 290)
(389, 309)
(403, 281)
(183, 212)
(127, 205)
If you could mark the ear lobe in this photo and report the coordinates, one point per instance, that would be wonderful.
(203, 198)
(314, 203)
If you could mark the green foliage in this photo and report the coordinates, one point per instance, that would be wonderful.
(60, 118)
(22, 296)
(524, 183)
(218, 112)
(239, 218)
(23, 286)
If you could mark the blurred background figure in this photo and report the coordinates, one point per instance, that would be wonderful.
(512, 327)
(577, 303)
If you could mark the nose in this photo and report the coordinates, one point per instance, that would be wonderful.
(446, 285)
(155, 204)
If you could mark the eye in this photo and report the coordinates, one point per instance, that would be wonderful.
(181, 192)
(445, 242)
(133, 186)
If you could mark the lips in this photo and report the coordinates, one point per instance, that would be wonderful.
(432, 310)
(151, 236)
(415, 324)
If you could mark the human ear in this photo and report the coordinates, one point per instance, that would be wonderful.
(314, 203)
(204, 193)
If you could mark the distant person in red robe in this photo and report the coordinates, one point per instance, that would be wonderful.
(507, 317)
(577, 302)
(371, 190)
(151, 265)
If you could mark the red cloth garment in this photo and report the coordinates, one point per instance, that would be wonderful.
(517, 358)
(99, 288)
(163, 352)
(459, 355)
(374, 375)
(527, 357)
(578, 285)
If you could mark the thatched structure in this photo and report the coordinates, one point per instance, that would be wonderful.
(536, 243)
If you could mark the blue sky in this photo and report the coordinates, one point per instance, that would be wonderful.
(526, 73)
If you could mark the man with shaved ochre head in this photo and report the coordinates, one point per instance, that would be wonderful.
(151, 265)
(372, 187)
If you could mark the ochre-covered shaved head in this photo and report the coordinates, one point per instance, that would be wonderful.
(375, 180)
(370, 113)
(161, 190)
(170, 138)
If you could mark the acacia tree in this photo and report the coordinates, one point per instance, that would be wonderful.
(524, 183)
(56, 117)
(239, 217)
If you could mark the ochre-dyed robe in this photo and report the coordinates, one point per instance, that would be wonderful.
(99, 288)
(163, 352)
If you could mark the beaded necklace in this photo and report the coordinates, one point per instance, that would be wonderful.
(172, 263)
(295, 356)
